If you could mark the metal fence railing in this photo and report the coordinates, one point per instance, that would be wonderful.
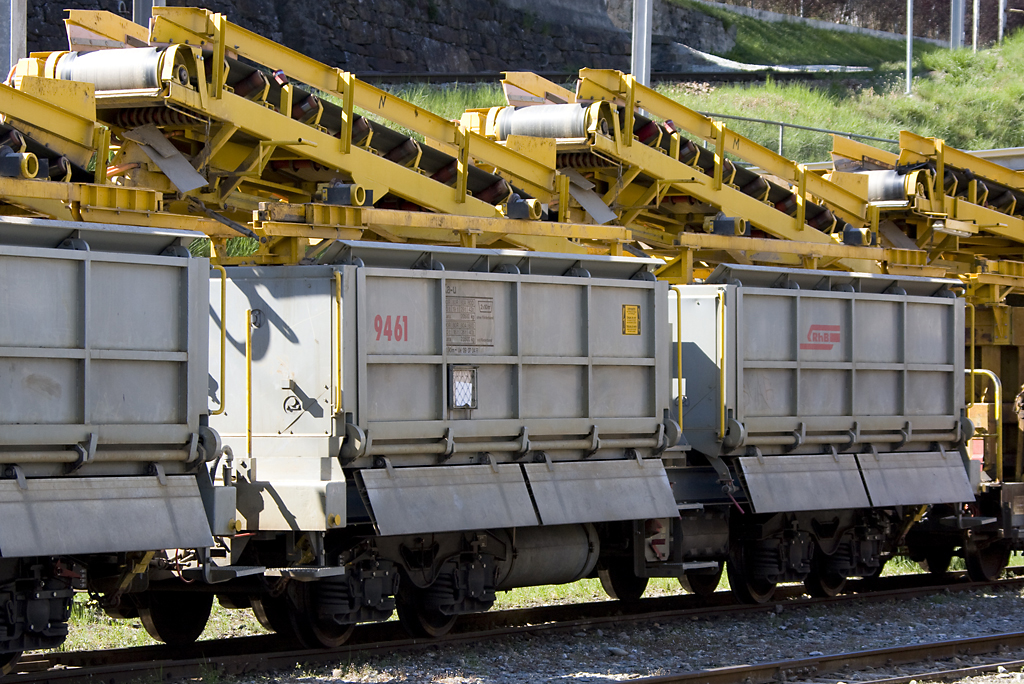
(783, 126)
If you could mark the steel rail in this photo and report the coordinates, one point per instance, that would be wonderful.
(244, 655)
(399, 77)
(788, 670)
(959, 673)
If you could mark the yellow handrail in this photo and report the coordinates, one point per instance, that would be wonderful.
(223, 337)
(998, 398)
(337, 295)
(721, 364)
(679, 352)
(972, 369)
(248, 383)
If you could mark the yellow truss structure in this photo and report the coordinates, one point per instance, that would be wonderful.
(267, 128)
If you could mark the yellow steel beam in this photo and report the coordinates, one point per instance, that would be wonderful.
(93, 203)
(215, 144)
(916, 148)
(973, 217)
(101, 29)
(179, 24)
(365, 168)
(538, 86)
(707, 241)
(980, 279)
(982, 218)
(536, 178)
(614, 85)
(858, 151)
(279, 219)
(421, 219)
(693, 182)
(50, 122)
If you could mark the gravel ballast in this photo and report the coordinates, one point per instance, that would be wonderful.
(652, 648)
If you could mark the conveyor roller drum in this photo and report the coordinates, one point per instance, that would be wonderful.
(125, 69)
(886, 186)
(545, 121)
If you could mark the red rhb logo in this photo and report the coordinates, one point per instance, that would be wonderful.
(821, 337)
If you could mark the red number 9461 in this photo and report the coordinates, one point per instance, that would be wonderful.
(398, 332)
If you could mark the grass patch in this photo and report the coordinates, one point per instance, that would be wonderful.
(583, 591)
(972, 101)
(763, 42)
(91, 628)
(448, 100)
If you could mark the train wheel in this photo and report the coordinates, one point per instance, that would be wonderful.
(871, 581)
(987, 563)
(701, 582)
(176, 618)
(311, 630)
(274, 613)
(8, 661)
(937, 560)
(418, 619)
(747, 587)
(824, 584)
(620, 582)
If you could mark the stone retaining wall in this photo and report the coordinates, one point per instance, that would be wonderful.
(430, 35)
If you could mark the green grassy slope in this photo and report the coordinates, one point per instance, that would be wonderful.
(760, 42)
(972, 101)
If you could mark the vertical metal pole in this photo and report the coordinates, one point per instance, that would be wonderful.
(910, 45)
(974, 24)
(782, 133)
(142, 10)
(643, 19)
(5, 29)
(1002, 19)
(956, 24)
(15, 26)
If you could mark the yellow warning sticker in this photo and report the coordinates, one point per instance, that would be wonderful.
(630, 319)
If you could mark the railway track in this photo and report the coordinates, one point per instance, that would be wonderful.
(245, 655)
(812, 669)
(560, 77)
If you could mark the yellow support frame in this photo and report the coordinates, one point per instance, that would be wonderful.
(301, 141)
(109, 29)
(93, 203)
(616, 86)
(320, 221)
(916, 148)
(538, 86)
(197, 26)
(972, 217)
(65, 126)
(690, 181)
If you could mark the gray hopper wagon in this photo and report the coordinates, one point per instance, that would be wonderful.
(410, 428)
(500, 403)
(832, 402)
(103, 436)
(426, 426)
